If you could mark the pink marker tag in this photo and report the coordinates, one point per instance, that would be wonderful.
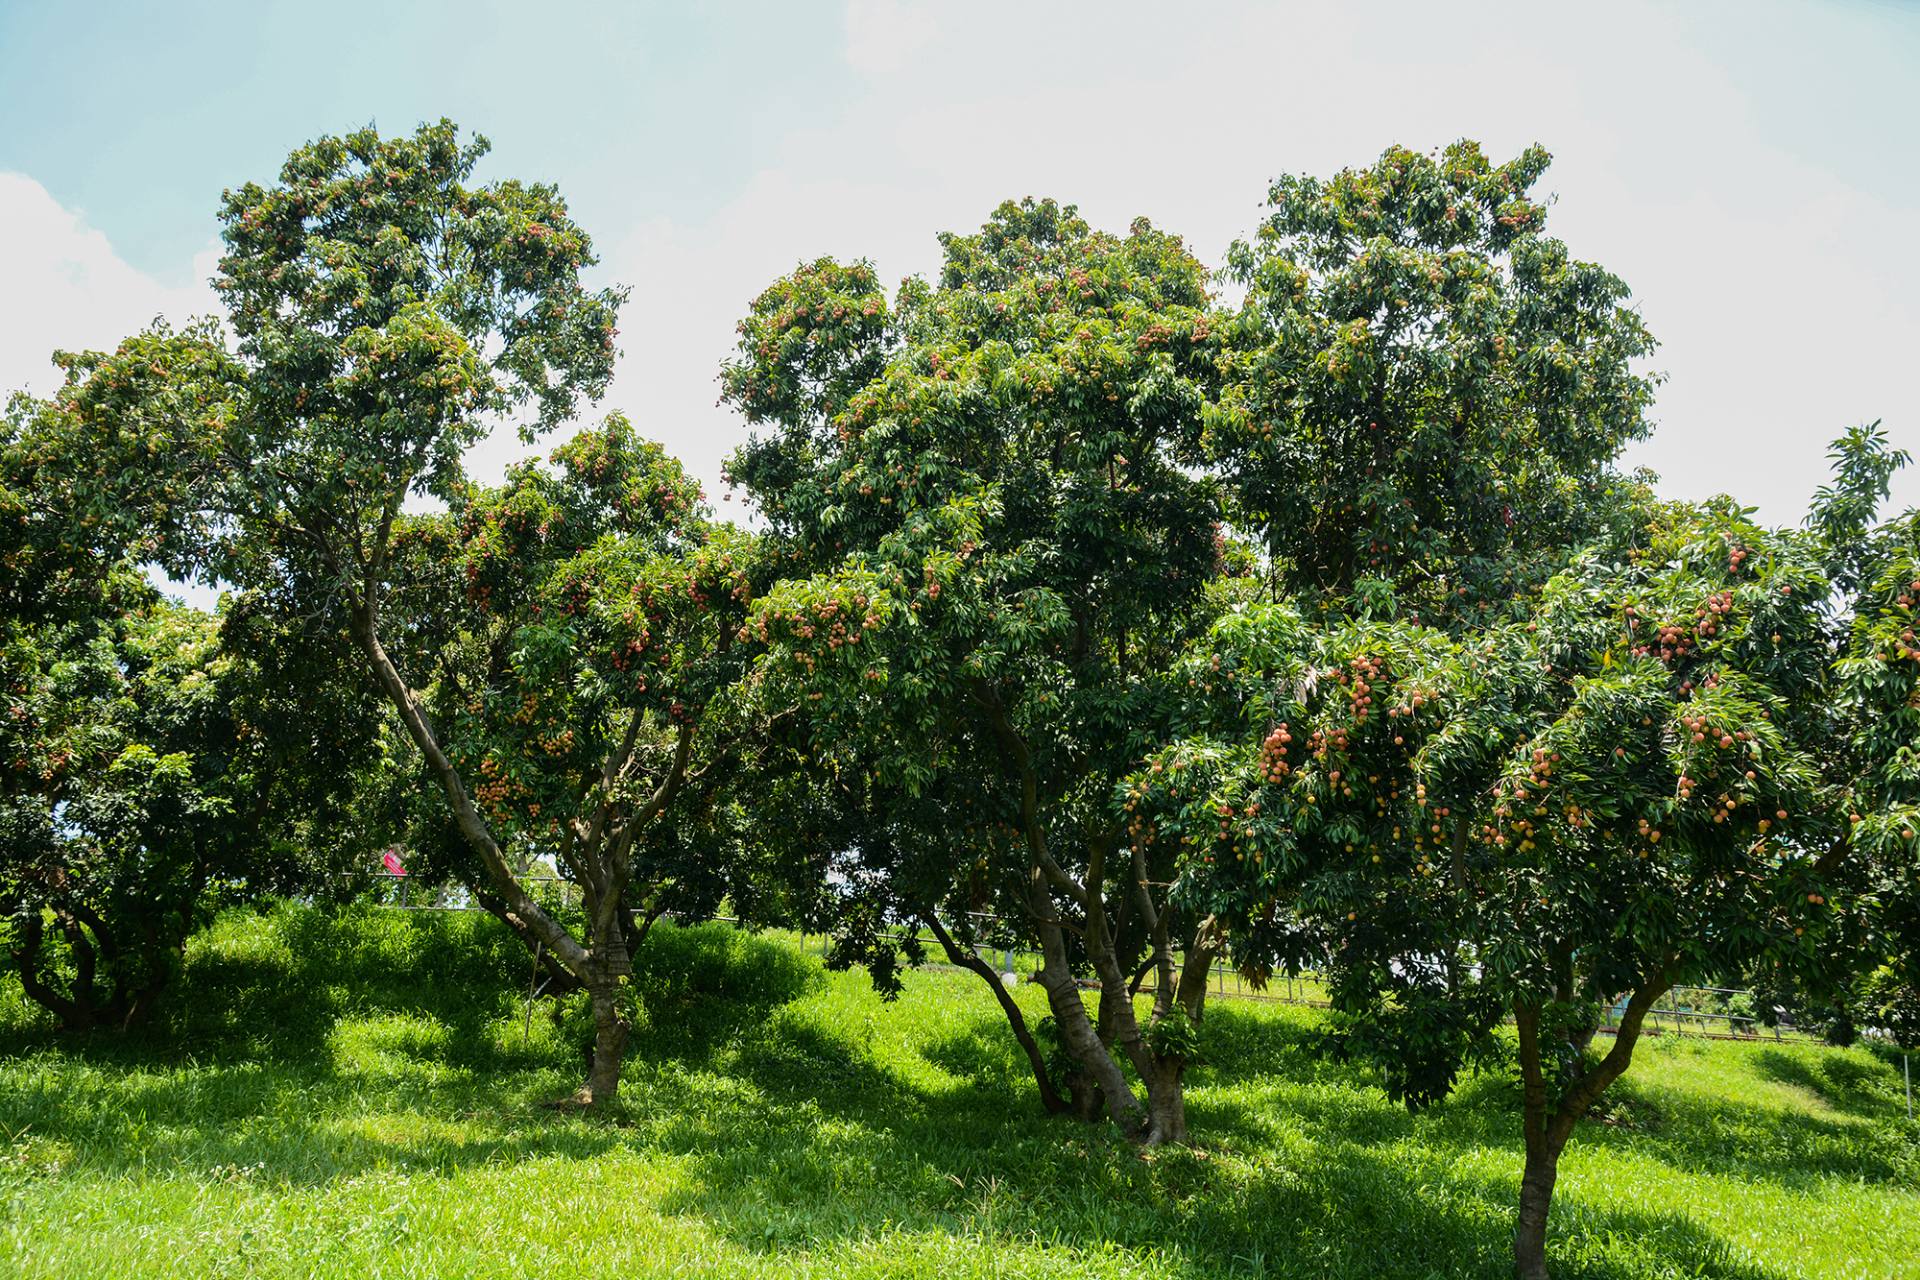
(392, 861)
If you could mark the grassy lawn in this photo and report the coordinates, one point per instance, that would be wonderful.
(359, 1095)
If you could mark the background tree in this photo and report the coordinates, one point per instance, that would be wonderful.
(1429, 392)
(1876, 565)
(1867, 976)
(161, 762)
(74, 514)
(993, 487)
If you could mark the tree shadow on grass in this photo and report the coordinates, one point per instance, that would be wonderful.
(839, 1151)
(278, 987)
(702, 986)
(320, 1045)
(274, 986)
(1681, 1130)
(984, 1054)
(1688, 1131)
(1843, 1082)
(838, 1148)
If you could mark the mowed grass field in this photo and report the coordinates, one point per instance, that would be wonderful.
(358, 1093)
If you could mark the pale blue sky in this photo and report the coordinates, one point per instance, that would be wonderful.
(1752, 169)
(139, 114)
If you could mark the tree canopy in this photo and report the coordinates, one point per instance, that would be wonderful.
(161, 761)
(551, 650)
(1429, 393)
(1086, 613)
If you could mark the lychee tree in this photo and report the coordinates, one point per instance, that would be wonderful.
(389, 312)
(991, 489)
(155, 761)
(1544, 822)
(1429, 392)
(1867, 976)
(571, 632)
(75, 515)
(1878, 562)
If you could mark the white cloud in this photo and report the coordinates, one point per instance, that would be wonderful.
(63, 287)
(884, 35)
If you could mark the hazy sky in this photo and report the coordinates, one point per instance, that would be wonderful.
(1752, 169)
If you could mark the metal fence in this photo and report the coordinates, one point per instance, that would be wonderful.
(1722, 1013)
(1719, 1013)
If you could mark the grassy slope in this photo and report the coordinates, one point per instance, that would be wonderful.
(353, 1097)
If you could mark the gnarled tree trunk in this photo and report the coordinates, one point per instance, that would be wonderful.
(1166, 1102)
(75, 1013)
(610, 1031)
(1081, 1039)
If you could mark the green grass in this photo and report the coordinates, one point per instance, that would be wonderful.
(359, 1095)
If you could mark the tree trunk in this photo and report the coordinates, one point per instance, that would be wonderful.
(559, 980)
(1140, 973)
(26, 956)
(1184, 996)
(1543, 1152)
(1536, 1198)
(138, 1005)
(1548, 1125)
(1166, 1102)
(466, 817)
(83, 967)
(1049, 1096)
(1086, 1101)
(1077, 1034)
(609, 1044)
(1115, 1022)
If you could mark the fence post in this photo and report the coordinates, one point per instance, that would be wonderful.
(1906, 1060)
(533, 979)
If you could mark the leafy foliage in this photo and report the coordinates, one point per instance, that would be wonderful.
(580, 613)
(161, 762)
(550, 643)
(1880, 680)
(1428, 392)
(1627, 787)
